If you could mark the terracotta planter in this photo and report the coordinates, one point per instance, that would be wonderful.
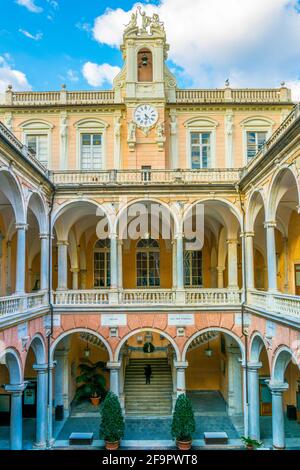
(112, 445)
(249, 447)
(95, 401)
(184, 445)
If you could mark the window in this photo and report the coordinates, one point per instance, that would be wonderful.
(102, 263)
(91, 152)
(146, 173)
(38, 143)
(255, 141)
(200, 149)
(193, 268)
(147, 263)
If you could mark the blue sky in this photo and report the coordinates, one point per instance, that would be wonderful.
(44, 43)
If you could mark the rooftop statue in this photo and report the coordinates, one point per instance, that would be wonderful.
(140, 24)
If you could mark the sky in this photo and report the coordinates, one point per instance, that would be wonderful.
(47, 43)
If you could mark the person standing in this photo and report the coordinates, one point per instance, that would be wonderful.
(148, 373)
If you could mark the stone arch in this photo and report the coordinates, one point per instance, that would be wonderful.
(140, 330)
(253, 208)
(222, 202)
(38, 346)
(12, 190)
(69, 205)
(257, 343)
(281, 360)
(277, 191)
(13, 362)
(38, 207)
(214, 328)
(80, 330)
(172, 212)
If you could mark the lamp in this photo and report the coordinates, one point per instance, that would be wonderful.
(144, 60)
(208, 351)
(87, 351)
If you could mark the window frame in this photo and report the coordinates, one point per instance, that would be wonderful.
(39, 127)
(192, 286)
(148, 250)
(106, 251)
(90, 126)
(255, 124)
(204, 126)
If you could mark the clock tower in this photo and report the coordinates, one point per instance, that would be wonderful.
(145, 85)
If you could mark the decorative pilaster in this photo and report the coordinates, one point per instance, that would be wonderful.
(62, 264)
(254, 412)
(234, 400)
(220, 271)
(41, 416)
(21, 257)
(75, 273)
(44, 260)
(249, 258)
(271, 254)
(232, 264)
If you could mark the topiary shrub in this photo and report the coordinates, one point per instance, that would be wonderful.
(112, 421)
(183, 423)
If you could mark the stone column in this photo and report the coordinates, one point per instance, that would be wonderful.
(120, 264)
(174, 266)
(21, 258)
(220, 271)
(285, 265)
(16, 425)
(232, 264)
(271, 254)
(41, 416)
(254, 411)
(8, 269)
(50, 440)
(180, 376)
(61, 383)
(114, 368)
(62, 265)
(249, 259)
(234, 401)
(44, 260)
(277, 390)
(75, 272)
(113, 261)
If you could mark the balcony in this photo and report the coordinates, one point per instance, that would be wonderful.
(197, 298)
(283, 305)
(14, 306)
(210, 176)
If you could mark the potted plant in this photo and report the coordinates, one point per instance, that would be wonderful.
(251, 444)
(112, 422)
(92, 383)
(183, 424)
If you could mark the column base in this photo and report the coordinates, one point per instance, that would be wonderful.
(40, 445)
(278, 448)
(50, 443)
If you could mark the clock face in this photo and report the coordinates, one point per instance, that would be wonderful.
(145, 115)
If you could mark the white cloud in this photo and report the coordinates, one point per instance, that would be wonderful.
(35, 37)
(72, 75)
(98, 75)
(10, 76)
(251, 42)
(30, 5)
(295, 87)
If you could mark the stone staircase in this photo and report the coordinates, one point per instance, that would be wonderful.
(148, 400)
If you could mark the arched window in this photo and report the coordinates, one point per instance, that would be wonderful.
(147, 263)
(102, 263)
(145, 65)
(193, 272)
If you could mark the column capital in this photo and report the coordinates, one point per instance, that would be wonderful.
(40, 368)
(254, 366)
(44, 236)
(113, 236)
(277, 388)
(75, 270)
(220, 269)
(270, 224)
(62, 243)
(113, 365)
(16, 389)
(232, 241)
(247, 234)
(180, 364)
(22, 226)
(178, 235)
